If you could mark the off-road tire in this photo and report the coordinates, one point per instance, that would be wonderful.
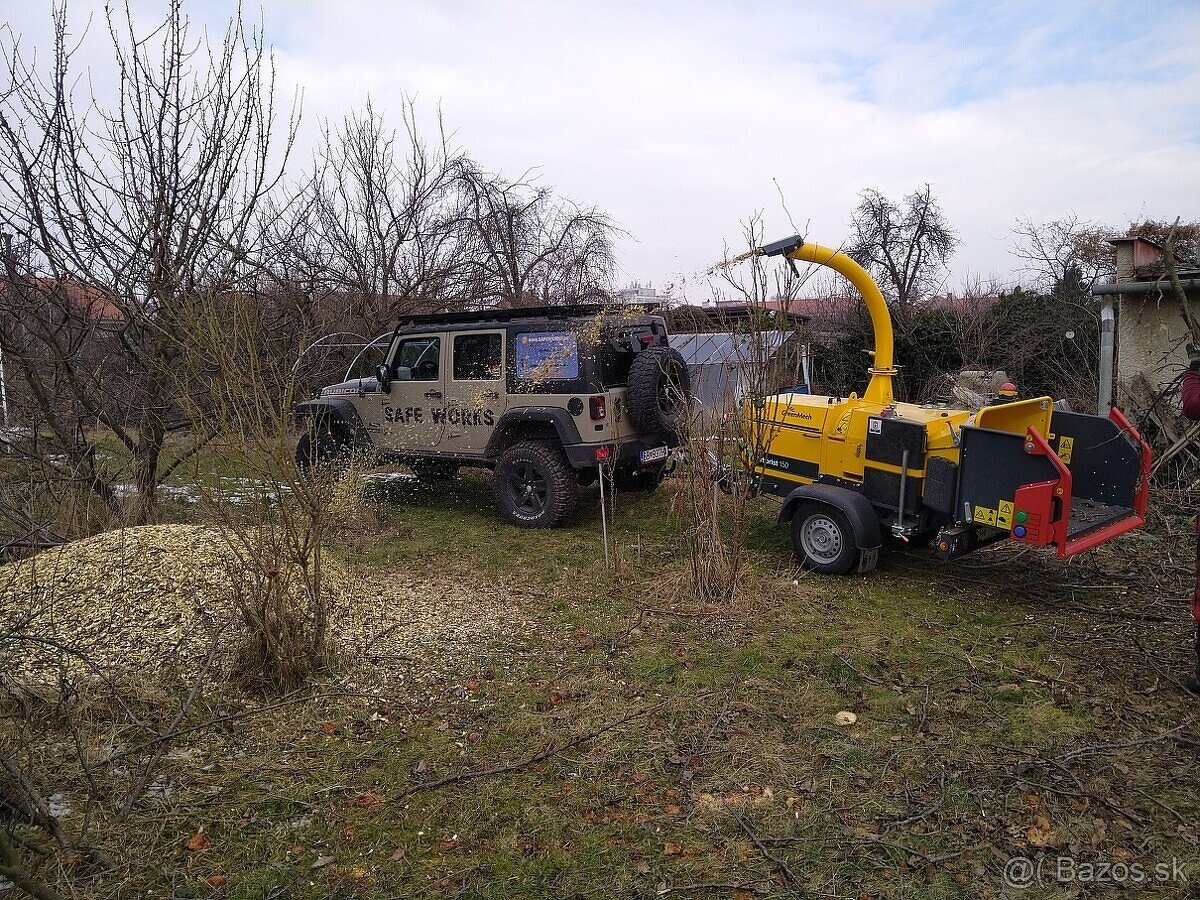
(823, 540)
(659, 388)
(321, 450)
(433, 470)
(644, 479)
(535, 486)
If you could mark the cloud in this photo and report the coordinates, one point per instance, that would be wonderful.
(678, 118)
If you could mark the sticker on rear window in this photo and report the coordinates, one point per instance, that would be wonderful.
(547, 356)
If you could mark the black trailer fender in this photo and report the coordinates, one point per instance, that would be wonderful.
(856, 508)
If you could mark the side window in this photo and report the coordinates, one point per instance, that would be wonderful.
(419, 359)
(477, 357)
(547, 356)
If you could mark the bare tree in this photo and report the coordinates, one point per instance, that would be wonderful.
(526, 246)
(278, 527)
(376, 226)
(905, 246)
(724, 445)
(142, 203)
(1049, 249)
(57, 486)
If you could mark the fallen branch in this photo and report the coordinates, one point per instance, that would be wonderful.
(33, 888)
(1096, 749)
(862, 676)
(10, 870)
(930, 859)
(28, 800)
(923, 814)
(1081, 793)
(712, 886)
(164, 739)
(550, 750)
(781, 866)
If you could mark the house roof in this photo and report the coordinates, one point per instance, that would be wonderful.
(94, 303)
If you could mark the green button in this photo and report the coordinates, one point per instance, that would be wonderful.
(1022, 515)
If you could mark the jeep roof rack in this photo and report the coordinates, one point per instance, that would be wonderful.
(510, 315)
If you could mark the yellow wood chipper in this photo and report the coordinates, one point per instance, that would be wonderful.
(851, 471)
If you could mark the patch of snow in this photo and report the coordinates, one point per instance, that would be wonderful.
(57, 806)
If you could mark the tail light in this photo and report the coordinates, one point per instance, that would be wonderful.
(598, 407)
(603, 452)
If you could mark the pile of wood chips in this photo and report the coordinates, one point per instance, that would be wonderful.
(156, 600)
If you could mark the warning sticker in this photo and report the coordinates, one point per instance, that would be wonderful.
(1004, 514)
(1065, 446)
(875, 426)
(984, 516)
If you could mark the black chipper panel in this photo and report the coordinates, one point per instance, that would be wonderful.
(883, 489)
(941, 480)
(888, 438)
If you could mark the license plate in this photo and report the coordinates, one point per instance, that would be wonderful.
(655, 454)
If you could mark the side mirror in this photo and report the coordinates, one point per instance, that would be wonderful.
(385, 379)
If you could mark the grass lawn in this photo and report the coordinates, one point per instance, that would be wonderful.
(630, 742)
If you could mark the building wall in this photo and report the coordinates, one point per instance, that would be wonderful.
(1151, 336)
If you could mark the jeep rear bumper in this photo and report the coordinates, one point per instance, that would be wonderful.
(627, 453)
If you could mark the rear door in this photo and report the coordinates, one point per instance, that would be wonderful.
(413, 413)
(475, 395)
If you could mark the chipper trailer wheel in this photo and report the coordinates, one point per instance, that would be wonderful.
(823, 540)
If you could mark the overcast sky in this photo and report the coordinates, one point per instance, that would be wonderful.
(681, 120)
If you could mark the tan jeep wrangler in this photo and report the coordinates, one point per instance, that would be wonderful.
(541, 396)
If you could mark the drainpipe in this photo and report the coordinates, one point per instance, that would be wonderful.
(1108, 329)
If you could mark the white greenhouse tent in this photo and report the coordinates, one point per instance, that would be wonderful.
(716, 360)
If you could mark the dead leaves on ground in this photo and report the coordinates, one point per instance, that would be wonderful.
(198, 841)
(369, 800)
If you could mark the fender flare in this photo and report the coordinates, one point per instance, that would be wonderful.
(338, 411)
(564, 424)
(857, 508)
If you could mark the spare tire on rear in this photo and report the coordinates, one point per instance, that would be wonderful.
(659, 391)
